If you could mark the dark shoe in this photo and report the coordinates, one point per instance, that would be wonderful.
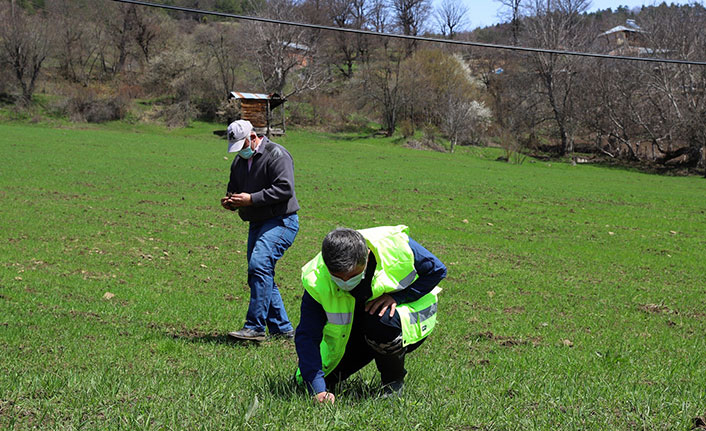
(246, 334)
(289, 335)
(393, 389)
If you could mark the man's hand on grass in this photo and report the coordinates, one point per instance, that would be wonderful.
(325, 397)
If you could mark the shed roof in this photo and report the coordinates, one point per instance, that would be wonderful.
(630, 26)
(274, 98)
(622, 28)
(299, 46)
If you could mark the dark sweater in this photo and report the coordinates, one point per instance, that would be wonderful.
(270, 182)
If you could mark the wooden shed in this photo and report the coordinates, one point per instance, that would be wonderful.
(259, 109)
(628, 39)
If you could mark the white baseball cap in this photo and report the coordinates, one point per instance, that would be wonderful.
(237, 132)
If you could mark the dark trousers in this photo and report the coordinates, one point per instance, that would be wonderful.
(374, 338)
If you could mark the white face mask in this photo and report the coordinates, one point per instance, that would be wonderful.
(349, 284)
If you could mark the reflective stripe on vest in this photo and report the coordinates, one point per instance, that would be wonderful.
(421, 316)
(418, 318)
(405, 282)
(339, 318)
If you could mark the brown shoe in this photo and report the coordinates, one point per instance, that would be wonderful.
(247, 334)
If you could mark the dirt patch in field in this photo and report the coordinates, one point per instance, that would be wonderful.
(22, 415)
(514, 310)
(228, 297)
(699, 423)
(657, 309)
(478, 362)
(66, 196)
(506, 341)
(192, 333)
(477, 306)
(425, 144)
(148, 202)
(468, 427)
(663, 309)
(88, 315)
(183, 332)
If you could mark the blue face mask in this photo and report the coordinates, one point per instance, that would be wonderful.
(246, 153)
(351, 283)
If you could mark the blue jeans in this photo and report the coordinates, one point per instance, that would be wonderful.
(267, 242)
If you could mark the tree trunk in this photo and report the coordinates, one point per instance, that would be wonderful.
(390, 120)
(567, 144)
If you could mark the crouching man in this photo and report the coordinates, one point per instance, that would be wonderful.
(369, 295)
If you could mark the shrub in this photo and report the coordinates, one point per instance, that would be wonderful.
(429, 140)
(300, 113)
(177, 114)
(206, 108)
(228, 111)
(86, 106)
(406, 128)
(352, 123)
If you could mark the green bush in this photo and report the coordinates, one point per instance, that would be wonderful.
(406, 128)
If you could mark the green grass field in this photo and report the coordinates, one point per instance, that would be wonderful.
(575, 297)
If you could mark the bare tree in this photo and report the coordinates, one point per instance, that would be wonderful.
(558, 24)
(613, 108)
(78, 39)
(381, 84)
(175, 74)
(132, 32)
(654, 113)
(361, 17)
(409, 16)
(216, 42)
(451, 16)
(517, 104)
(379, 18)
(286, 55)
(347, 49)
(146, 32)
(119, 22)
(678, 92)
(512, 10)
(25, 45)
(344, 53)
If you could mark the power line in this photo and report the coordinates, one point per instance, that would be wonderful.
(409, 37)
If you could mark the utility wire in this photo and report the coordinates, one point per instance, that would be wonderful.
(409, 37)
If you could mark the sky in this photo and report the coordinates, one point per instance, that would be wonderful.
(483, 13)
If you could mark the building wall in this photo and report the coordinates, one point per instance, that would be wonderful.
(254, 111)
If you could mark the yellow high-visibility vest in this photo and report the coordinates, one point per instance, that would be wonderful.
(394, 272)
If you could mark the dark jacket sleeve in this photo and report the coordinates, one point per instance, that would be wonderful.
(233, 186)
(430, 271)
(308, 338)
(280, 169)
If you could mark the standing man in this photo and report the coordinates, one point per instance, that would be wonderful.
(261, 189)
(369, 295)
